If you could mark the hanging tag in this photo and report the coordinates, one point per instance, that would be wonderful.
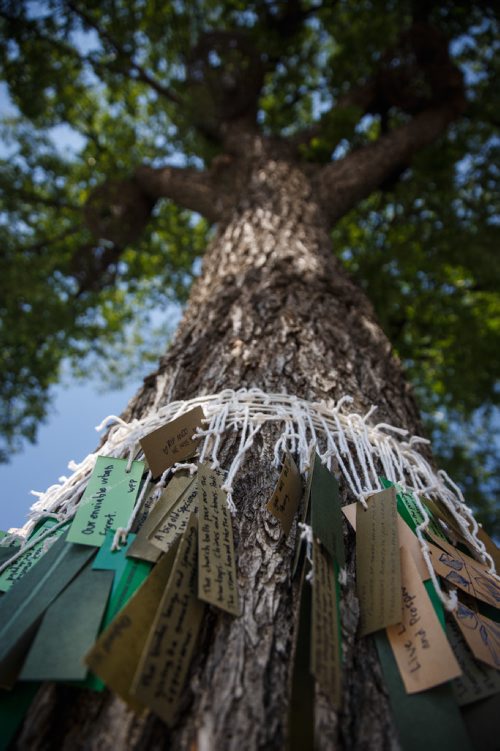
(325, 632)
(409, 510)
(406, 538)
(462, 571)
(68, 628)
(116, 654)
(378, 564)
(27, 560)
(286, 496)
(478, 680)
(299, 545)
(108, 500)
(176, 520)
(164, 665)
(423, 654)
(142, 546)
(326, 516)
(481, 634)
(217, 580)
(173, 442)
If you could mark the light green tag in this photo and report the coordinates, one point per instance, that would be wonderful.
(25, 562)
(107, 502)
(408, 509)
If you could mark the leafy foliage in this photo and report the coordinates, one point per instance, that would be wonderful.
(99, 88)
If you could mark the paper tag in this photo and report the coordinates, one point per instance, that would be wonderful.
(142, 546)
(406, 538)
(25, 562)
(217, 580)
(299, 545)
(285, 499)
(325, 632)
(116, 654)
(477, 680)
(440, 511)
(424, 657)
(326, 516)
(176, 520)
(464, 572)
(491, 547)
(68, 628)
(378, 566)
(107, 502)
(481, 634)
(301, 707)
(173, 442)
(150, 501)
(164, 665)
(407, 507)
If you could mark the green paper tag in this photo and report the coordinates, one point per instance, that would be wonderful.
(14, 705)
(68, 629)
(107, 502)
(408, 509)
(24, 563)
(326, 515)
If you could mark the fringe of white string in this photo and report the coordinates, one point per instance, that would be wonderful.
(345, 440)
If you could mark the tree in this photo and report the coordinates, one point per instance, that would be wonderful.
(294, 120)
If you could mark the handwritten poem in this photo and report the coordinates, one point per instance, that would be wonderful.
(325, 632)
(285, 499)
(176, 520)
(217, 581)
(173, 442)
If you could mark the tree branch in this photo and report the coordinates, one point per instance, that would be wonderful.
(141, 74)
(341, 185)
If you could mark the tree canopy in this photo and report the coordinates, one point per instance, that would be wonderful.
(101, 92)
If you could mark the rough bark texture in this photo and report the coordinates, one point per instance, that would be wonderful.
(273, 309)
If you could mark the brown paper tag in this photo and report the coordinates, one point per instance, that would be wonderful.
(378, 566)
(217, 580)
(423, 654)
(116, 653)
(286, 497)
(164, 665)
(142, 546)
(325, 640)
(464, 572)
(491, 548)
(477, 680)
(481, 634)
(172, 442)
(406, 538)
(439, 511)
(176, 520)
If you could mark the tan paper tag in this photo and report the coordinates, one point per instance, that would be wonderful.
(217, 580)
(286, 497)
(325, 641)
(172, 442)
(491, 547)
(423, 654)
(477, 680)
(142, 547)
(439, 511)
(176, 520)
(406, 538)
(481, 634)
(116, 653)
(164, 665)
(464, 572)
(378, 566)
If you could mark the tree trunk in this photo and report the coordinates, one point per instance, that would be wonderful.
(273, 309)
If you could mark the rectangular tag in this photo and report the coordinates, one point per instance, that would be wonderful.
(217, 580)
(326, 516)
(68, 628)
(173, 442)
(107, 502)
(164, 665)
(116, 654)
(424, 657)
(285, 499)
(176, 520)
(150, 501)
(491, 547)
(407, 507)
(378, 563)
(462, 571)
(406, 538)
(142, 546)
(477, 680)
(481, 634)
(325, 632)
(299, 544)
(25, 562)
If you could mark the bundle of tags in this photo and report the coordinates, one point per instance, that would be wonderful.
(79, 609)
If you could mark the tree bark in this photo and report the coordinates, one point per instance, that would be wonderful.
(273, 309)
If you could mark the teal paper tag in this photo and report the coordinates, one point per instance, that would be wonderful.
(107, 502)
(326, 516)
(25, 562)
